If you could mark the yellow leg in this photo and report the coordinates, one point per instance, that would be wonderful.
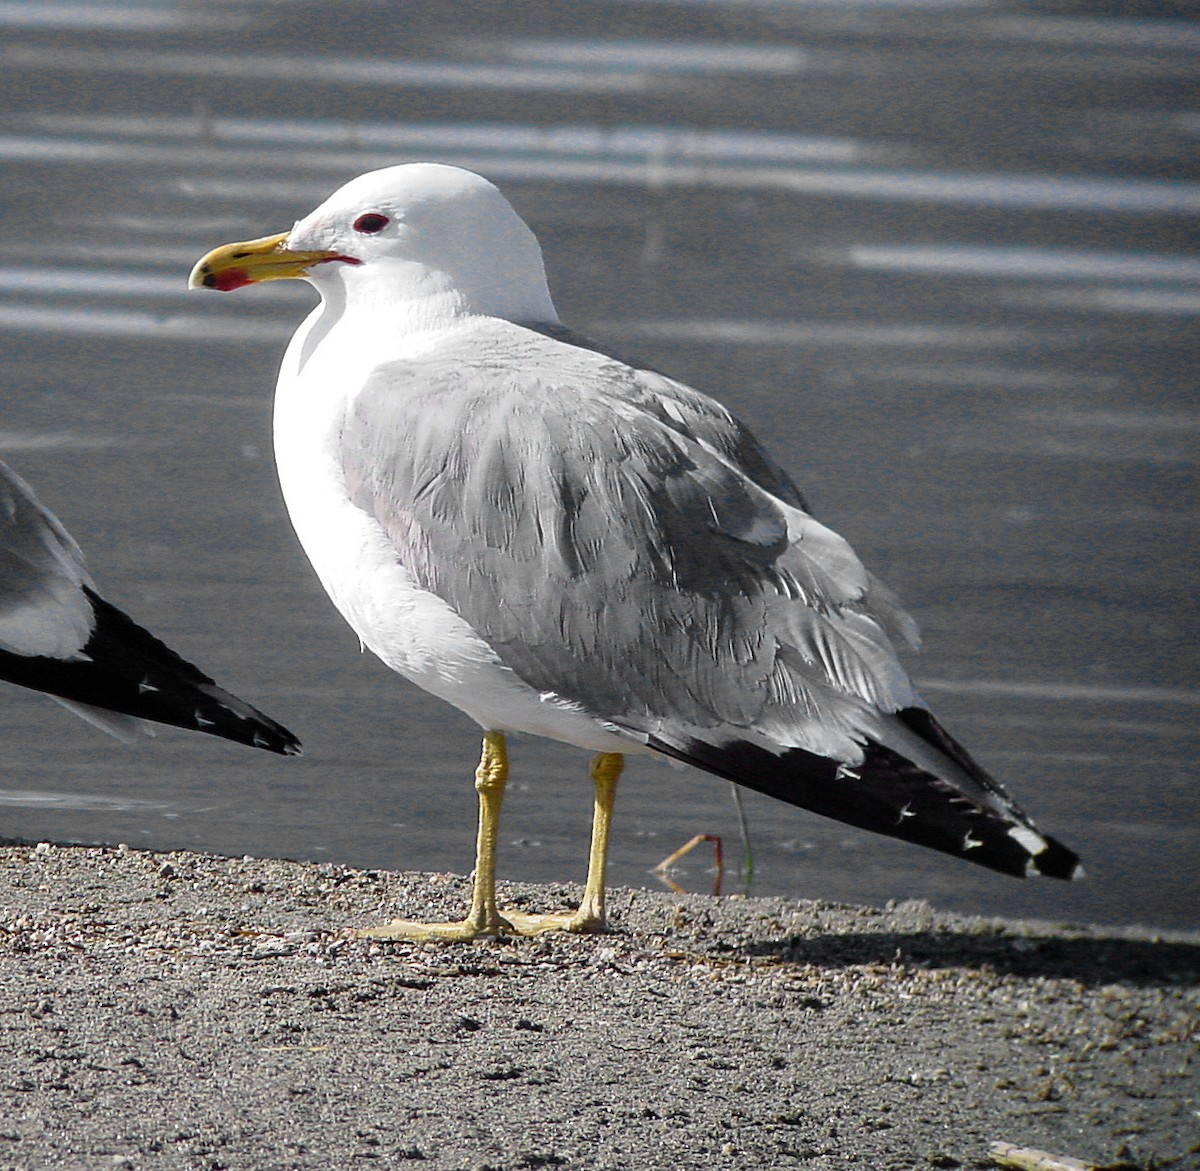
(606, 771)
(483, 919)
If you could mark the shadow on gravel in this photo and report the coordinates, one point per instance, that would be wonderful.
(1090, 960)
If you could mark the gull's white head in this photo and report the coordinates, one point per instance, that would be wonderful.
(415, 233)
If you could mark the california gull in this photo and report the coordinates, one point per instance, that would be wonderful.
(58, 635)
(559, 543)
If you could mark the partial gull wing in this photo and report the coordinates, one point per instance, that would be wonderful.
(57, 635)
(43, 609)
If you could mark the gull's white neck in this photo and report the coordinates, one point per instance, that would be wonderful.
(390, 304)
(333, 351)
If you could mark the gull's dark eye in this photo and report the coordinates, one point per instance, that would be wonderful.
(370, 222)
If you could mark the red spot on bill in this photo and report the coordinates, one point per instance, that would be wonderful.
(230, 278)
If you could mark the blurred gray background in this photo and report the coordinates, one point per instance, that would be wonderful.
(940, 254)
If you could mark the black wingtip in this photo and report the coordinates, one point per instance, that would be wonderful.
(281, 742)
(124, 668)
(1056, 861)
(889, 795)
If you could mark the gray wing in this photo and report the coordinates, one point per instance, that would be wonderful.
(43, 609)
(622, 542)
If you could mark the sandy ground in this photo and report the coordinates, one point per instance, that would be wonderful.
(187, 1011)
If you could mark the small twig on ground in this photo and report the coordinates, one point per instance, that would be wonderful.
(718, 862)
(1026, 1159)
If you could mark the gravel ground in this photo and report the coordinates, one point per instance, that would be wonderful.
(187, 1011)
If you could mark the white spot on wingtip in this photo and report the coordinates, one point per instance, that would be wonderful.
(201, 722)
(1028, 839)
(1032, 870)
(145, 686)
(907, 811)
(846, 774)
